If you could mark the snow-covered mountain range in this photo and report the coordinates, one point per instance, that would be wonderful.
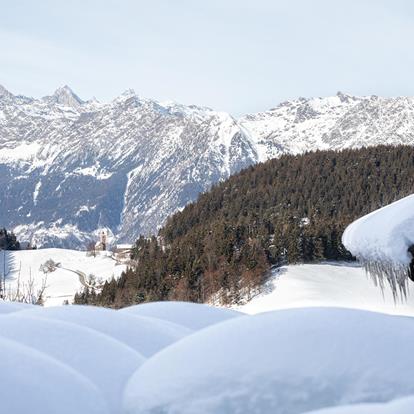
(69, 167)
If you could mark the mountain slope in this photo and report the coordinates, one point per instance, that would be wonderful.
(69, 167)
(289, 210)
(338, 122)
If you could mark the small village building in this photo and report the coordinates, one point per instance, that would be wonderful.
(101, 245)
(123, 251)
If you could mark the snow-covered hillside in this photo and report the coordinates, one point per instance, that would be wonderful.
(61, 284)
(327, 284)
(70, 167)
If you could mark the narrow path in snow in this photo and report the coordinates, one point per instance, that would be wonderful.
(82, 278)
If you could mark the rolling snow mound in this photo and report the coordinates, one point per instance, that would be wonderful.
(400, 406)
(33, 382)
(192, 315)
(143, 334)
(287, 361)
(87, 351)
(87, 360)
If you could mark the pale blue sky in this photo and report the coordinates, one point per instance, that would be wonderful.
(234, 55)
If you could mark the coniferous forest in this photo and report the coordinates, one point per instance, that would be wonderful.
(288, 210)
(8, 240)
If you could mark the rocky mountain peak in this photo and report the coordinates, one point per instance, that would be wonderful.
(65, 96)
(344, 97)
(4, 92)
(128, 93)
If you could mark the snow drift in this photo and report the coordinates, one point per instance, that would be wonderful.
(381, 239)
(89, 352)
(315, 360)
(288, 361)
(10, 307)
(79, 356)
(400, 406)
(333, 284)
(145, 335)
(192, 315)
(33, 382)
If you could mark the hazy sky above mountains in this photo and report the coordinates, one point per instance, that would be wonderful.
(234, 55)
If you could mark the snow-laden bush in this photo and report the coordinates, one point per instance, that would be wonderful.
(145, 335)
(192, 315)
(285, 362)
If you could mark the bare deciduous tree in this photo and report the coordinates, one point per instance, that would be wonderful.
(6, 272)
(28, 291)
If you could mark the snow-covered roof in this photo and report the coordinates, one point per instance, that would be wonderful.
(124, 246)
(381, 241)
